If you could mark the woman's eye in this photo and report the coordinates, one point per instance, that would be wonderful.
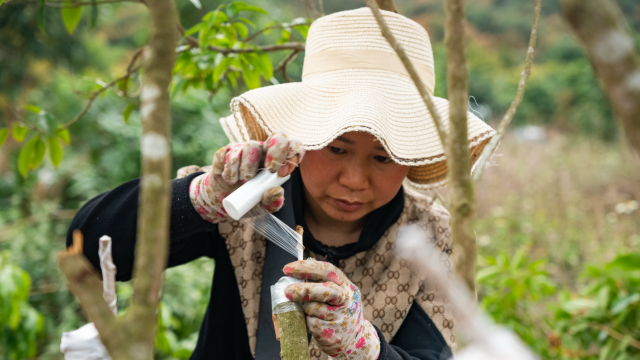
(337, 150)
(382, 159)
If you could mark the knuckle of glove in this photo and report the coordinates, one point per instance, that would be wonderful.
(273, 199)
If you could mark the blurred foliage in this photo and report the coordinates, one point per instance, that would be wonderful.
(20, 323)
(548, 209)
(511, 289)
(599, 322)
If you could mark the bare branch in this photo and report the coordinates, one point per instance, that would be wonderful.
(613, 56)
(253, 36)
(511, 112)
(264, 48)
(458, 163)
(95, 96)
(283, 65)
(422, 89)
(193, 43)
(155, 194)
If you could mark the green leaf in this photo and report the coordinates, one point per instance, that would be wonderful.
(247, 21)
(94, 16)
(63, 134)
(251, 77)
(34, 109)
(266, 66)
(14, 315)
(4, 134)
(621, 304)
(55, 151)
(38, 153)
(221, 68)
(127, 112)
(242, 29)
(19, 131)
(197, 27)
(24, 158)
(196, 3)
(303, 30)
(574, 306)
(487, 273)
(47, 123)
(240, 6)
(629, 262)
(70, 16)
(1, 1)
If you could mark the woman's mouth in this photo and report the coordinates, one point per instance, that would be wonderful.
(346, 205)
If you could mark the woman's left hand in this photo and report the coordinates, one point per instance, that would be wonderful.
(334, 310)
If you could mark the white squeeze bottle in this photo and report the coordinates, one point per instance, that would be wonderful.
(250, 194)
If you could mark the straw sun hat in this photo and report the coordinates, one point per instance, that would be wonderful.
(352, 80)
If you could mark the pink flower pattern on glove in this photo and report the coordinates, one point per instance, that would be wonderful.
(334, 310)
(235, 164)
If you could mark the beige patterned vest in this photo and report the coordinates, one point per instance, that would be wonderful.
(388, 285)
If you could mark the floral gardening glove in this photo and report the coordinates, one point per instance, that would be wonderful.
(334, 310)
(234, 164)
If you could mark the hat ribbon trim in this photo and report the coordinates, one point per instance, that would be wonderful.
(331, 60)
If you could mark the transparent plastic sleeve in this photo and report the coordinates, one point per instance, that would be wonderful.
(278, 297)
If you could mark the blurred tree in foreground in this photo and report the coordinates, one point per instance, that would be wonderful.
(575, 222)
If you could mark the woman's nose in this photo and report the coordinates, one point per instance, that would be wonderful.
(354, 176)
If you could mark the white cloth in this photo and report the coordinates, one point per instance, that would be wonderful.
(83, 344)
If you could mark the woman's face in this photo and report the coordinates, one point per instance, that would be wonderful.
(351, 177)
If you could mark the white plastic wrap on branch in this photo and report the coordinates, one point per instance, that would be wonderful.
(486, 340)
(278, 297)
(108, 273)
(84, 343)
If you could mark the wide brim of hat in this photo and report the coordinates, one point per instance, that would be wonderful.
(382, 103)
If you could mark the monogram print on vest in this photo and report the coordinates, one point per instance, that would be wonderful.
(389, 285)
(246, 249)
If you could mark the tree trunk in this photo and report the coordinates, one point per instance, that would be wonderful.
(292, 327)
(462, 202)
(132, 337)
(612, 52)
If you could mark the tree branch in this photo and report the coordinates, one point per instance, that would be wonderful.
(459, 165)
(422, 89)
(511, 112)
(613, 56)
(193, 43)
(132, 337)
(283, 65)
(130, 70)
(155, 194)
(253, 36)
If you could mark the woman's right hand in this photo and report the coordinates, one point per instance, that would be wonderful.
(235, 164)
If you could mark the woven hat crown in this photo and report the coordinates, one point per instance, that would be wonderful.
(353, 81)
(358, 29)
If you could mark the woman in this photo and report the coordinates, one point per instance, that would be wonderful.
(358, 128)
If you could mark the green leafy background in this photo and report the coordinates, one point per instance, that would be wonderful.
(558, 227)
